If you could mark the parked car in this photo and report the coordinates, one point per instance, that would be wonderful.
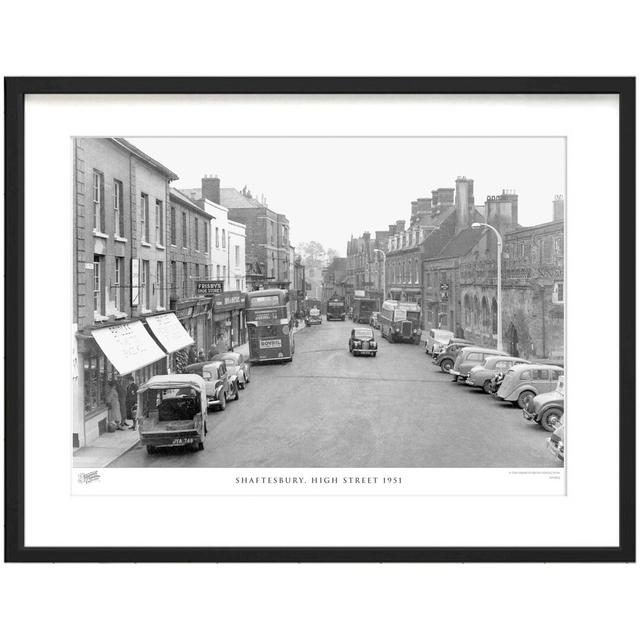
(446, 359)
(374, 320)
(237, 365)
(525, 381)
(482, 374)
(172, 411)
(469, 357)
(362, 340)
(437, 339)
(547, 408)
(555, 442)
(314, 317)
(221, 386)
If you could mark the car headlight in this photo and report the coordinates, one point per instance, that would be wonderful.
(397, 330)
(373, 343)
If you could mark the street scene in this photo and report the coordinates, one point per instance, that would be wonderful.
(313, 412)
(210, 329)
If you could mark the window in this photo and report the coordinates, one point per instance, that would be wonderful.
(118, 213)
(218, 271)
(224, 239)
(558, 293)
(184, 230)
(525, 375)
(205, 233)
(475, 357)
(117, 281)
(144, 216)
(558, 245)
(206, 271)
(174, 277)
(98, 200)
(237, 251)
(541, 374)
(172, 223)
(159, 223)
(217, 237)
(98, 306)
(238, 284)
(546, 250)
(197, 233)
(145, 284)
(197, 272)
(185, 279)
(160, 281)
(224, 271)
(555, 374)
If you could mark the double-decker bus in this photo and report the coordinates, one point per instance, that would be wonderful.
(400, 321)
(363, 308)
(336, 308)
(269, 322)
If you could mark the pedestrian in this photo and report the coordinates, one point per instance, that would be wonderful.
(113, 405)
(122, 397)
(193, 354)
(132, 400)
(213, 352)
(201, 356)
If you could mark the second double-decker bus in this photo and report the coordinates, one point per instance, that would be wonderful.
(269, 322)
(400, 321)
(336, 308)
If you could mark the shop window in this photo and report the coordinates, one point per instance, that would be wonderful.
(97, 373)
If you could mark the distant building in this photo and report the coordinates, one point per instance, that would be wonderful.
(334, 279)
(365, 265)
(267, 249)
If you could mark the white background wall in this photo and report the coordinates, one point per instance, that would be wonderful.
(392, 601)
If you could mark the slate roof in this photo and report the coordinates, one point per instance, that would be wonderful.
(185, 200)
(461, 243)
(234, 199)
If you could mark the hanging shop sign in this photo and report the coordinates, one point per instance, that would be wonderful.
(228, 301)
(209, 288)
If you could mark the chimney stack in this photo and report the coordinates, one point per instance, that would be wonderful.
(400, 226)
(558, 208)
(464, 201)
(211, 188)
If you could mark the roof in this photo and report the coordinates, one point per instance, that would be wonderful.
(234, 199)
(176, 194)
(461, 243)
(145, 158)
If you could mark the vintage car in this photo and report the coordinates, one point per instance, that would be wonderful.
(556, 441)
(237, 365)
(469, 357)
(362, 340)
(437, 339)
(525, 381)
(313, 317)
(547, 408)
(172, 411)
(221, 385)
(374, 321)
(447, 357)
(482, 374)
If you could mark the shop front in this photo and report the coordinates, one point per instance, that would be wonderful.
(118, 356)
(228, 320)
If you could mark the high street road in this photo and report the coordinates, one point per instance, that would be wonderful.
(330, 409)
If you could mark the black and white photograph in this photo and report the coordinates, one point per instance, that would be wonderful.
(319, 302)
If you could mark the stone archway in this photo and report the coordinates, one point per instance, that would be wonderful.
(512, 340)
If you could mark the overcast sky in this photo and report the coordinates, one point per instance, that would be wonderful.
(330, 188)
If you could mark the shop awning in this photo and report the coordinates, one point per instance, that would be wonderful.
(128, 346)
(169, 332)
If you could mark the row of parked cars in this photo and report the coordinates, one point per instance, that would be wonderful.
(537, 388)
(173, 409)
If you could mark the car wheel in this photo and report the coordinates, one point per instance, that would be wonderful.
(525, 398)
(446, 365)
(150, 449)
(200, 446)
(550, 417)
(223, 402)
(487, 386)
(237, 395)
(375, 353)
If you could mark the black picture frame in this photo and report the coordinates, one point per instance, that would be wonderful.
(15, 91)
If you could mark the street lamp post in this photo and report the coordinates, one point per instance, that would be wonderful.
(478, 225)
(384, 273)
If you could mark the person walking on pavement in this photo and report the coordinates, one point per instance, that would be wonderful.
(131, 400)
(114, 416)
(122, 397)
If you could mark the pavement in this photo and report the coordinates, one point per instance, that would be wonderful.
(328, 408)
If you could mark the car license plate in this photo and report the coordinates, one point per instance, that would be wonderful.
(270, 344)
(182, 441)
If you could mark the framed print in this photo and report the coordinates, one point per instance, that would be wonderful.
(320, 319)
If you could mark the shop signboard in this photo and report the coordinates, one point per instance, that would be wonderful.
(169, 332)
(209, 288)
(228, 301)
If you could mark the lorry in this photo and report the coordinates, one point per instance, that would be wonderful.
(336, 308)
